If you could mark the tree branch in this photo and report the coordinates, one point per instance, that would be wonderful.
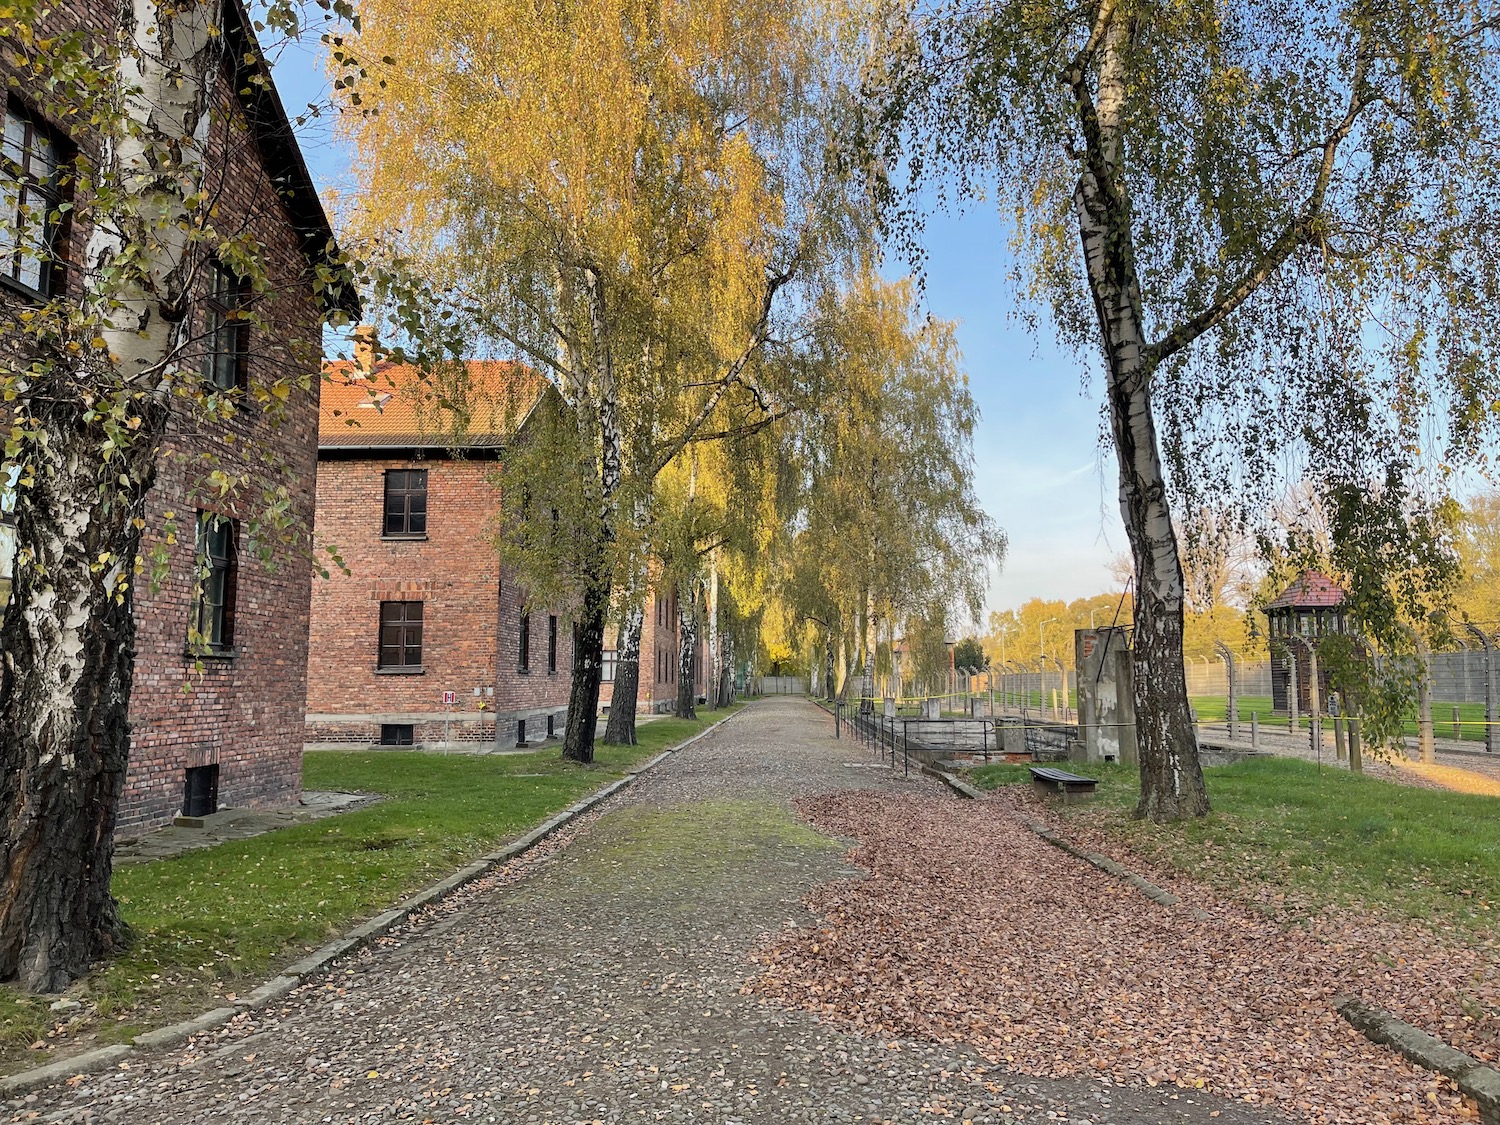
(732, 375)
(1299, 229)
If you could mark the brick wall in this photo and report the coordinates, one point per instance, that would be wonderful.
(243, 711)
(471, 614)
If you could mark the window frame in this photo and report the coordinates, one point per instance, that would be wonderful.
(523, 644)
(609, 665)
(407, 493)
(226, 335)
(50, 260)
(404, 645)
(215, 584)
(552, 644)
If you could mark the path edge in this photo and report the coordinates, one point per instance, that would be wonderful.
(1472, 1077)
(103, 1058)
(1096, 859)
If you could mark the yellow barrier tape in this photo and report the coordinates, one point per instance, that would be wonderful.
(1451, 777)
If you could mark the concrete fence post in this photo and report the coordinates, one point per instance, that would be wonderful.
(1254, 730)
(1491, 690)
(1231, 689)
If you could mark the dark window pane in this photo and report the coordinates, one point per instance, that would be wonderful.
(213, 591)
(400, 641)
(224, 334)
(405, 511)
(29, 196)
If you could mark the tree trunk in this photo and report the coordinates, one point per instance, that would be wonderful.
(69, 642)
(725, 686)
(828, 667)
(68, 633)
(687, 649)
(588, 668)
(620, 730)
(593, 614)
(1171, 777)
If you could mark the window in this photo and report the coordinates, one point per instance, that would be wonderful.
(395, 734)
(226, 334)
(523, 656)
(212, 627)
(401, 636)
(611, 662)
(29, 197)
(551, 644)
(200, 796)
(520, 732)
(405, 503)
(551, 726)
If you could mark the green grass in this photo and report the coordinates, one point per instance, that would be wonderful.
(1321, 837)
(217, 921)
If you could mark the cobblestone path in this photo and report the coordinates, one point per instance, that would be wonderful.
(605, 986)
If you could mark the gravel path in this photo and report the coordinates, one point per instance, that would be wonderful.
(610, 980)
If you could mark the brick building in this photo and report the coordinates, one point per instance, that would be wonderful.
(425, 641)
(657, 688)
(216, 707)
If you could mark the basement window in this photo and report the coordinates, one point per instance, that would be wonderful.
(395, 734)
(520, 732)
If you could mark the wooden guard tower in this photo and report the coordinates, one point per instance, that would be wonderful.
(1308, 610)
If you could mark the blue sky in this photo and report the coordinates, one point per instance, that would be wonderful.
(1039, 469)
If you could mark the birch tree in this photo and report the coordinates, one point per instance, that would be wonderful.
(92, 375)
(887, 531)
(1268, 224)
(627, 195)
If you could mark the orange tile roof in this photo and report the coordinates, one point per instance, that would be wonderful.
(478, 406)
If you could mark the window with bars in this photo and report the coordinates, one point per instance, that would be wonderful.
(226, 334)
(212, 626)
(401, 636)
(405, 504)
(30, 162)
(551, 644)
(523, 644)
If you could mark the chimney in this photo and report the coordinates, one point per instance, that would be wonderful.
(365, 339)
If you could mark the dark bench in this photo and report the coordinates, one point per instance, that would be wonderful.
(1054, 782)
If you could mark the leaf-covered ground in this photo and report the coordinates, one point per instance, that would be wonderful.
(970, 928)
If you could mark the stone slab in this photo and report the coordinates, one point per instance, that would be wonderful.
(175, 1033)
(270, 992)
(86, 1063)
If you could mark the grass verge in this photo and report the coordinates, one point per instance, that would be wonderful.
(1315, 839)
(214, 923)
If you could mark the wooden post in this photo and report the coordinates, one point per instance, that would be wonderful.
(1340, 746)
(1356, 761)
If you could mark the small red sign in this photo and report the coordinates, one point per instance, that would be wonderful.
(450, 697)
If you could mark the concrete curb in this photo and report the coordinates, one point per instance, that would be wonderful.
(1474, 1078)
(1102, 862)
(957, 784)
(315, 962)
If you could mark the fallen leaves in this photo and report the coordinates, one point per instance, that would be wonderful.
(970, 928)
